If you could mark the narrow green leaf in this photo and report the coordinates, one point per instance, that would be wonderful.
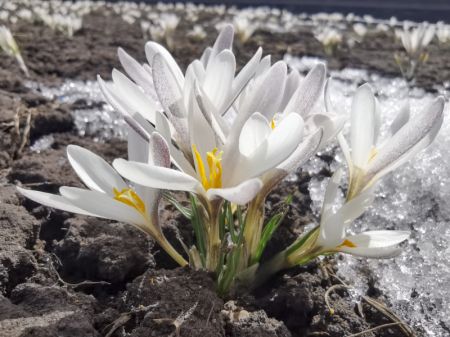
(185, 211)
(270, 228)
(199, 227)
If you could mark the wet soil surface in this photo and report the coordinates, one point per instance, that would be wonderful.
(66, 275)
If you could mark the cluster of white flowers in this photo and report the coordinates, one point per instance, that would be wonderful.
(231, 138)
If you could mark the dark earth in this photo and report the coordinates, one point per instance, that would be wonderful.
(63, 275)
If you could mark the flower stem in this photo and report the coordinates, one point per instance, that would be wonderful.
(168, 248)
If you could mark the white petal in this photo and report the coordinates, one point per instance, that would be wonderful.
(219, 78)
(205, 56)
(346, 151)
(308, 92)
(277, 147)
(137, 147)
(247, 72)
(254, 132)
(93, 170)
(362, 125)
(330, 125)
(376, 244)
(133, 97)
(158, 151)
(137, 72)
(334, 224)
(264, 66)
(211, 115)
(292, 84)
(428, 35)
(224, 41)
(401, 119)
(156, 176)
(153, 48)
(377, 121)
(135, 120)
(178, 158)
(52, 200)
(327, 94)
(102, 205)
(266, 97)
(167, 87)
(331, 191)
(241, 194)
(424, 126)
(304, 151)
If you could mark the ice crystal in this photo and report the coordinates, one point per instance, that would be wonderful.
(92, 116)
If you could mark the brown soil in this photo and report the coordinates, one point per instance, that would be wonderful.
(65, 275)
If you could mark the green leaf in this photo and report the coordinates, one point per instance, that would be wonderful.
(199, 229)
(185, 211)
(270, 228)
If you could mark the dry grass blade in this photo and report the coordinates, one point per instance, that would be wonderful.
(383, 326)
(327, 295)
(177, 322)
(406, 330)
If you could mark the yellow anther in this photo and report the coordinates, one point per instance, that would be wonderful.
(213, 160)
(272, 124)
(347, 243)
(130, 198)
(373, 154)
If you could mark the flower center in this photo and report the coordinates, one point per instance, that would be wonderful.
(272, 124)
(130, 198)
(213, 159)
(347, 243)
(373, 154)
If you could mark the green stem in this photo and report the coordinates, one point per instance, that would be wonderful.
(253, 226)
(214, 241)
(168, 248)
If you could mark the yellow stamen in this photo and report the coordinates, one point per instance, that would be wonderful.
(130, 198)
(213, 160)
(272, 124)
(373, 154)
(347, 243)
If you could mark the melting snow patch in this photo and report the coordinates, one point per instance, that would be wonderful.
(415, 197)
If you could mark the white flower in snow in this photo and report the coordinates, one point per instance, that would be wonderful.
(334, 222)
(416, 39)
(368, 160)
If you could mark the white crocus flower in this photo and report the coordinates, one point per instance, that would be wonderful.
(360, 29)
(330, 38)
(332, 235)
(415, 39)
(108, 195)
(368, 161)
(443, 32)
(9, 46)
(244, 28)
